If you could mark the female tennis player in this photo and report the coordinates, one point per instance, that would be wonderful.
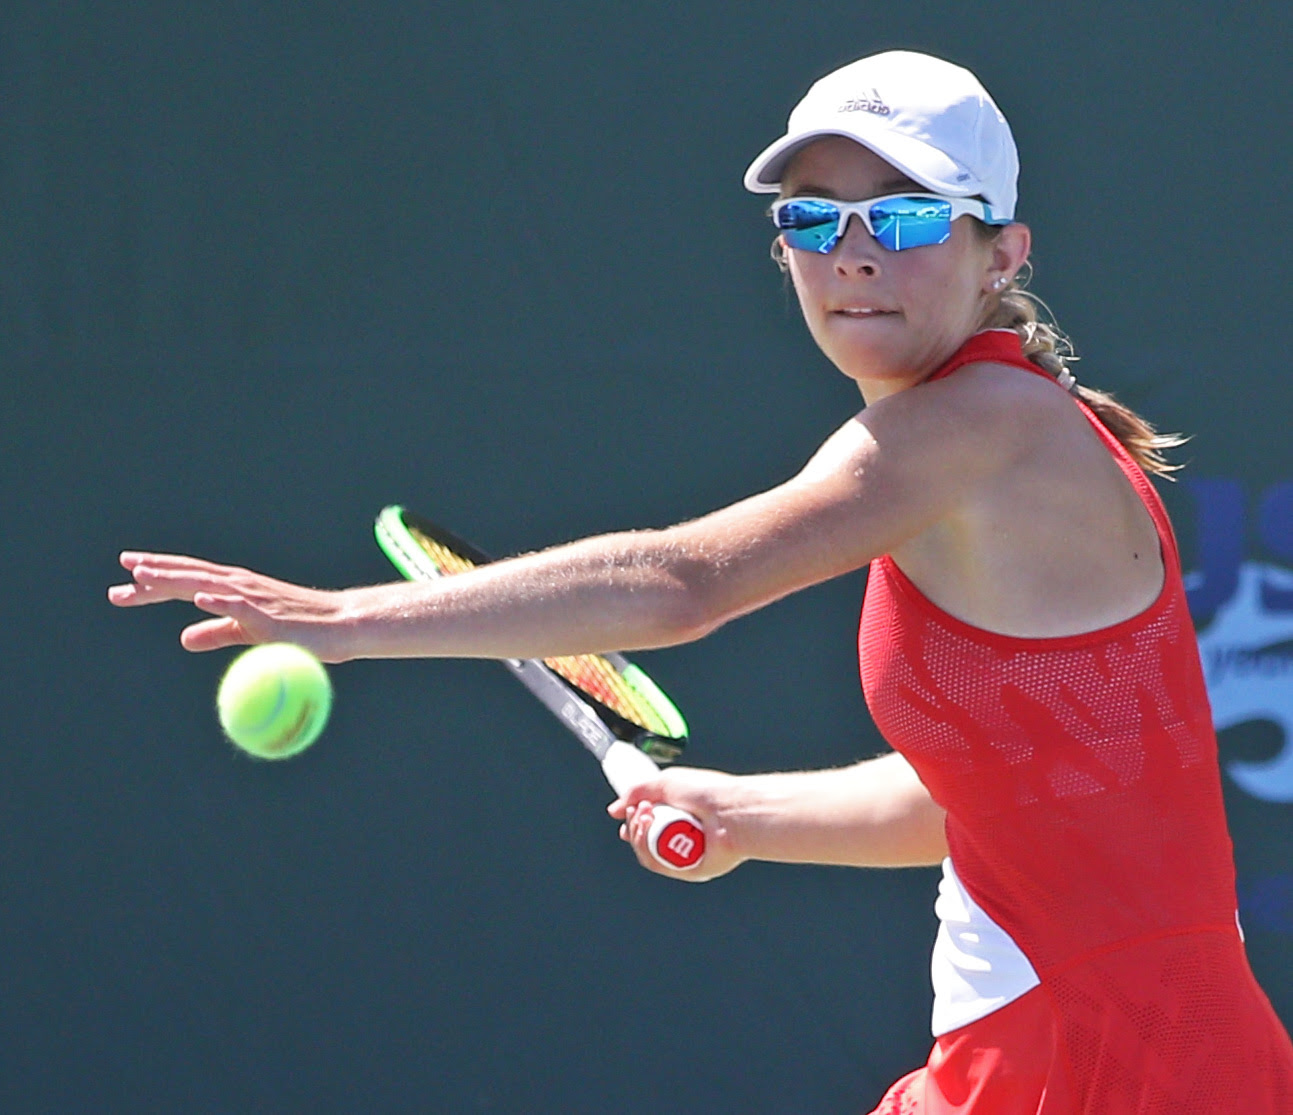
(1025, 644)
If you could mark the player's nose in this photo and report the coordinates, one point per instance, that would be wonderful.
(857, 252)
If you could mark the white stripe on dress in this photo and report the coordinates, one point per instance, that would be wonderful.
(976, 967)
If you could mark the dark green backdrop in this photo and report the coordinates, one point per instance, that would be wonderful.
(264, 268)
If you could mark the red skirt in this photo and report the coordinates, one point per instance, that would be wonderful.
(1171, 1026)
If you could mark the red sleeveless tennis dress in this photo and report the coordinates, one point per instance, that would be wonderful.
(1091, 956)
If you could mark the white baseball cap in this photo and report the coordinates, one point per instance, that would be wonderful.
(930, 119)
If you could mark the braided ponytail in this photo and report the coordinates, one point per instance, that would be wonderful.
(1047, 347)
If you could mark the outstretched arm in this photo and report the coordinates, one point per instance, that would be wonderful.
(882, 478)
(875, 813)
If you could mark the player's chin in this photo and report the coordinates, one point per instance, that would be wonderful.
(864, 342)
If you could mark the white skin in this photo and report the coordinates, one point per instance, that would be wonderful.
(988, 488)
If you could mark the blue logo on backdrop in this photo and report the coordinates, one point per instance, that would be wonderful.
(1244, 612)
(1266, 903)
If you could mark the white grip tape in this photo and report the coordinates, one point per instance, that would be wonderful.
(625, 767)
(683, 838)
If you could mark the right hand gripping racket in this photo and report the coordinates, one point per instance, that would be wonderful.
(610, 705)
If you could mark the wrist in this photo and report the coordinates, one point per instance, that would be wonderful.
(775, 817)
(741, 812)
(350, 626)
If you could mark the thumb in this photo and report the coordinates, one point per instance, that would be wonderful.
(213, 634)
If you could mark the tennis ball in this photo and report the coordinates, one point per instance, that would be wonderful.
(274, 700)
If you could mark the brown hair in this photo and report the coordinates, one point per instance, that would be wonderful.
(1047, 347)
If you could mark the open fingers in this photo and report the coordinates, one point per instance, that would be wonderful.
(152, 586)
(131, 559)
(160, 577)
(247, 607)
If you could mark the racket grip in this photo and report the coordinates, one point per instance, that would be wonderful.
(676, 838)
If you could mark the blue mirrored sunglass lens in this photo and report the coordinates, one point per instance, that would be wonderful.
(808, 226)
(911, 222)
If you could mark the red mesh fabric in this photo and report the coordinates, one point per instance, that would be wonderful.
(1170, 1025)
(994, 1065)
(1173, 1025)
(1085, 816)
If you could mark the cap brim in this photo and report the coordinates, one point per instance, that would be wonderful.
(918, 160)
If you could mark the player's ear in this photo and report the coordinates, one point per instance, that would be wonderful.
(1010, 248)
(778, 253)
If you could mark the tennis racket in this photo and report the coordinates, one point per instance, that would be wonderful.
(608, 703)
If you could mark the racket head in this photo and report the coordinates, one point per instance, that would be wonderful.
(621, 695)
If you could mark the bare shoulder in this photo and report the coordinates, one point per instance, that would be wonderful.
(1046, 535)
(984, 418)
(1033, 417)
(945, 476)
(996, 399)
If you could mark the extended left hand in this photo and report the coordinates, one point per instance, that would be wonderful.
(246, 607)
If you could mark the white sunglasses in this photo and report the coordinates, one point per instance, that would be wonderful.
(897, 221)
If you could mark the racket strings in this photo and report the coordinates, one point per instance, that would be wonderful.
(590, 673)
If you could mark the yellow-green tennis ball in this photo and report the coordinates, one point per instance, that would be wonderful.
(274, 700)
